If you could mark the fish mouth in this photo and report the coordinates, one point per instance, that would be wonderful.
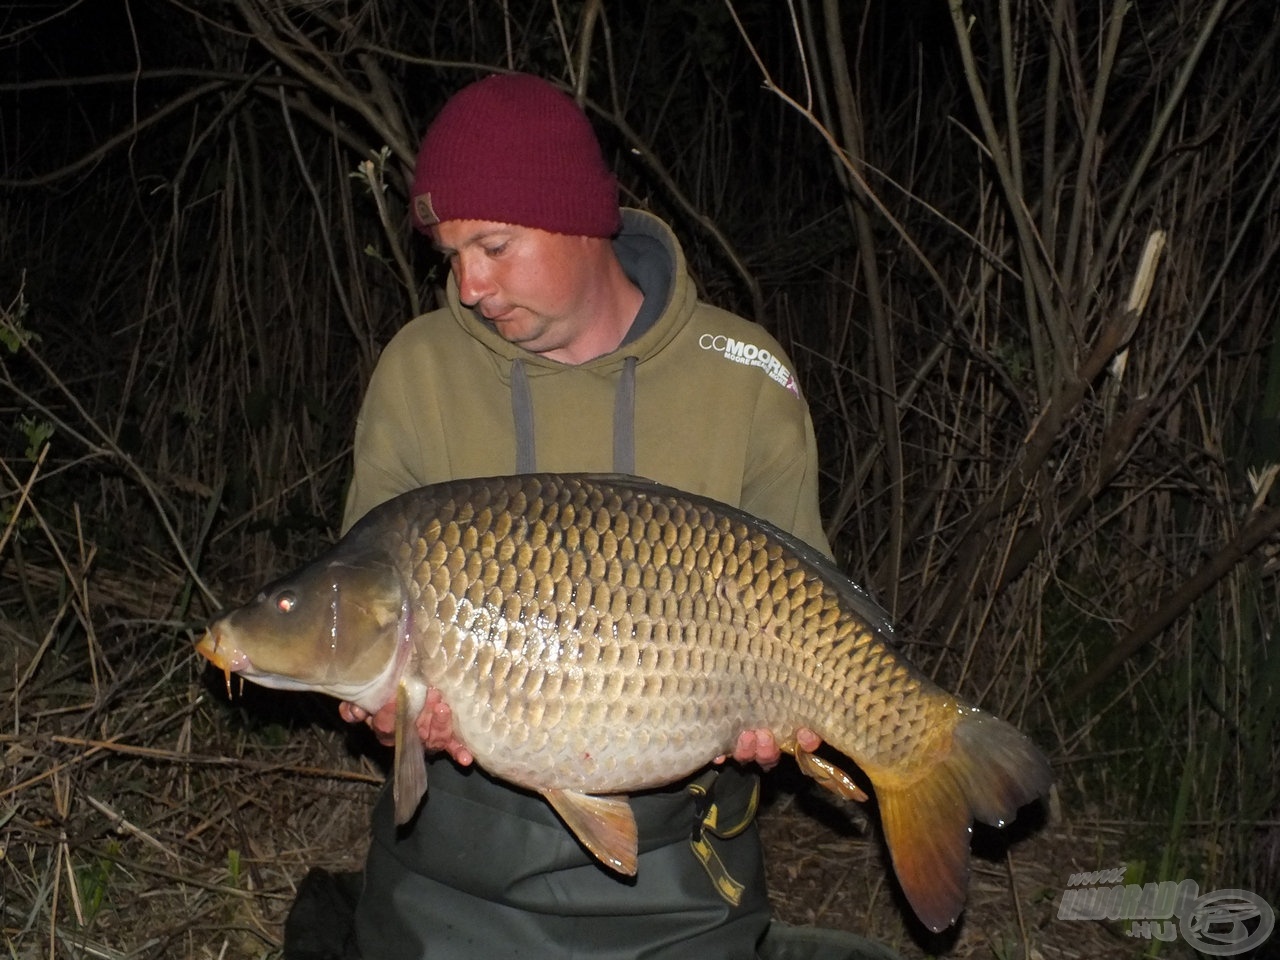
(224, 655)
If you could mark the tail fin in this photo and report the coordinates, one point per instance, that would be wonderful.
(987, 772)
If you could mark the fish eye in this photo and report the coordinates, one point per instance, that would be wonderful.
(286, 600)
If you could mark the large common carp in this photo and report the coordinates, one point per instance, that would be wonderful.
(596, 635)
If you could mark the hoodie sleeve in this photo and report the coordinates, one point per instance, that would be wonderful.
(384, 428)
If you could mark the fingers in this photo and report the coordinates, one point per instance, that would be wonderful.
(435, 722)
(435, 727)
(760, 747)
(352, 713)
(767, 752)
(382, 723)
(461, 755)
(808, 740)
(757, 746)
(438, 735)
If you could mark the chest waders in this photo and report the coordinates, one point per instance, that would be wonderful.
(487, 872)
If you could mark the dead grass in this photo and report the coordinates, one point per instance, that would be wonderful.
(164, 821)
(840, 882)
(171, 822)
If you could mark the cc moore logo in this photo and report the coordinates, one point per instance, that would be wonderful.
(751, 355)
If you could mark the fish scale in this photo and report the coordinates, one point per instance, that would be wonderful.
(598, 635)
(746, 576)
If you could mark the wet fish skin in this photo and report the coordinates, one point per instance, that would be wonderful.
(600, 635)
(328, 627)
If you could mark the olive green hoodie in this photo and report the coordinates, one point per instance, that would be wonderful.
(695, 398)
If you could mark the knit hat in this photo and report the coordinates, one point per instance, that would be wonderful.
(512, 148)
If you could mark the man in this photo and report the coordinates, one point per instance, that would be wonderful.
(573, 340)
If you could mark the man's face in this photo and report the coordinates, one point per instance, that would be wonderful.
(533, 286)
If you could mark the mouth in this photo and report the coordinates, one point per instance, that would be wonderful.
(499, 314)
(223, 655)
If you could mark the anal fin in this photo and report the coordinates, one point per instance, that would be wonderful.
(824, 772)
(605, 826)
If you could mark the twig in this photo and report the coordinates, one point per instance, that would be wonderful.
(105, 446)
(124, 136)
(1121, 209)
(1175, 604)
(1017, 905)
(1029, 241)
(373, 171)
(24, 492)
(586, 31)
(642, 150)
(119, 821)
(843, 157)
(882, 341)
(330, 81)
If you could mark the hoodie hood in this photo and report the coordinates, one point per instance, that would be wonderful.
(652, 259)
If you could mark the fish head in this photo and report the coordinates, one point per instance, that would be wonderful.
(338, 626)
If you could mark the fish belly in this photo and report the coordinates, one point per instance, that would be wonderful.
(627, 719)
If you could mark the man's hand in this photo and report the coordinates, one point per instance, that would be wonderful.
(434, 725)
(759, 747)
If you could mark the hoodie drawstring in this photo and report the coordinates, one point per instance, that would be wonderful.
(624, 419)
(522, 414)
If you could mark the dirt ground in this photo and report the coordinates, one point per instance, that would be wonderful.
(827, 868)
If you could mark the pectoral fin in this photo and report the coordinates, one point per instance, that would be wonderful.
(605, 826)
(410, 779)
(825, 772)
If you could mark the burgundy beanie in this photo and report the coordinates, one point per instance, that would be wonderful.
(512, 148)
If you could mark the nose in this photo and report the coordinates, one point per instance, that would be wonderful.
(475, 281)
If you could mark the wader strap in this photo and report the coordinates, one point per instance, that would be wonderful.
(707, 821)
